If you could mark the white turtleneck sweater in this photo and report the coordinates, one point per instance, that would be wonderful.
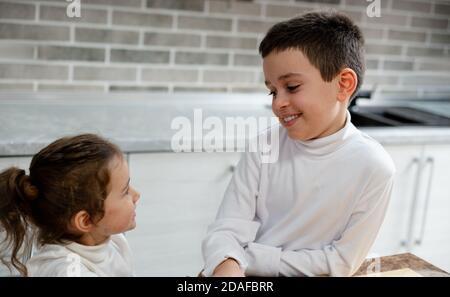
(315, 211)
(111, 258)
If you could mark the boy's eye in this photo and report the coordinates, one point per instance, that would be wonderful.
(292, 88)
(272, 93)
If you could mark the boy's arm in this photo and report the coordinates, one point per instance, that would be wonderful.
(340, 258)
(234, 227)
(229, 267)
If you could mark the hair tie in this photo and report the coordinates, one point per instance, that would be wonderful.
(29, 190)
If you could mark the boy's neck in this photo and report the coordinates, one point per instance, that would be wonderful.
(336, 125)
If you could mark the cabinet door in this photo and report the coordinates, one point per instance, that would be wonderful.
(393, 235)
(21, 162)
(180, 195)
(432, 227)
(5, 162)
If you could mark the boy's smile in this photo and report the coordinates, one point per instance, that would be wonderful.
(291, 119)
(306, 105)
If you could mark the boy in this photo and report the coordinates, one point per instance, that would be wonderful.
(318, 208)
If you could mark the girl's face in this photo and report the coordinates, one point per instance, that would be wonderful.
(120, 204)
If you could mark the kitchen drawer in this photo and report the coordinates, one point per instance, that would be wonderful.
(183, 166)
(180, 196)
(21, 162)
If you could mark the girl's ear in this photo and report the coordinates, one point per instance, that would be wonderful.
(81, 222)
(347, 84)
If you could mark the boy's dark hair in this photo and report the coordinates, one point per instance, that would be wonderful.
(330, 40)
(69, 175)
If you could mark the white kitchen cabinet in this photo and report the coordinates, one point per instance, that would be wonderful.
(5, 162)
(181, 192)
(21, 162)
(180, 195)
(393, 235)
(418, 216)
(431, 236)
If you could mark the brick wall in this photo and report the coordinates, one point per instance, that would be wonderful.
(202, 45)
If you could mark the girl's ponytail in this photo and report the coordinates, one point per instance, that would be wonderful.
(16, 195)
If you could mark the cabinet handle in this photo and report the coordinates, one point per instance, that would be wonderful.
(407, 243)
(228, 171)
(430, 161)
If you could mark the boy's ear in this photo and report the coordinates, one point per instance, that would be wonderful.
(81, 222)
(347, 82)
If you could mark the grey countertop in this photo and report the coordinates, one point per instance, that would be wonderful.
(142, 122)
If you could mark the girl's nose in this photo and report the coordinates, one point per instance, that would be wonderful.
(136, 196)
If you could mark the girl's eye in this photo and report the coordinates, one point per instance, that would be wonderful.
(272, 93)
(292, 88)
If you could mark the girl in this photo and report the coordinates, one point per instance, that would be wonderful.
(78, 201)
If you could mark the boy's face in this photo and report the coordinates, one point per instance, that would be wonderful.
(305, 104)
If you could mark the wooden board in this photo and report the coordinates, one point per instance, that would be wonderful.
(405, 272)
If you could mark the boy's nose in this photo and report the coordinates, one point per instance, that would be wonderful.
(281, 102)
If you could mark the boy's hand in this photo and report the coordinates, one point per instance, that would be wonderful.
(229, 267)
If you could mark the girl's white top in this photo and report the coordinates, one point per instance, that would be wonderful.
(111, 258)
